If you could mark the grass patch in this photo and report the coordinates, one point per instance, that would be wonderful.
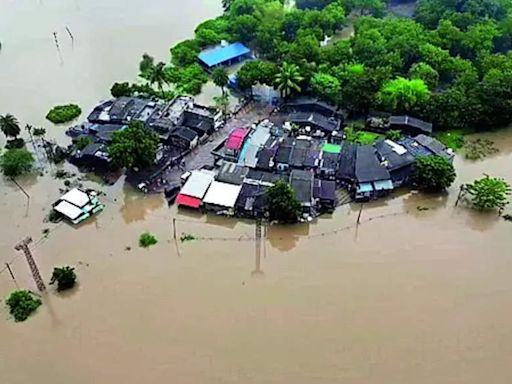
(63, 113)
(452, 139)
(147, 239)
(353, 135)
(22, 304)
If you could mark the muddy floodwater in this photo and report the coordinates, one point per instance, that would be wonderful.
(420, 292)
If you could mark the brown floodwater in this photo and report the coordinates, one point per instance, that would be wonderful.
(409, 296)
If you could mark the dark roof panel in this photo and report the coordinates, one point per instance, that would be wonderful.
(368, 167)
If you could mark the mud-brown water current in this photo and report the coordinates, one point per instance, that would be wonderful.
(410, 296)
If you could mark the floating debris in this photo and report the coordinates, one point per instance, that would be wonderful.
(187, 237)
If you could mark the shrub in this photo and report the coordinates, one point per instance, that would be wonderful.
(282, 204)
(452, 139)
(433, 173)
(63, 113)
(488, 193)
(82, 142)
(65, 278)
(393, 134)
(22, 304)
(15, 143)
(147, 239)
(121, 89)
(16, 162)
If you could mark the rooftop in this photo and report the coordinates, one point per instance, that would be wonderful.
(222, 194)
(411, 122)
(236, 139)
(197, 184)
(232, 173)
(368, 167)
(219, 55)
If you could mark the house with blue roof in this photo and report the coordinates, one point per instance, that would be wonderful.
(224, 55)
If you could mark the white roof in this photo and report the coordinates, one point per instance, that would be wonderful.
(222, 194)
(68, 210)
(397, 148)
(197, 184)
(76, 197)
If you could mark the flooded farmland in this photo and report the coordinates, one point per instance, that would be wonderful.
(408, 296)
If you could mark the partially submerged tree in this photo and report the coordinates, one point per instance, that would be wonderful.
(63, 113)
(22, 304)
(288, 79)
(222, 103)
(147, 239)
(10, 126)
(282, 203)
(64, 276)
(134, 146)
(433, 173)
(16, 162)
(220, 78)
(488, 193)
(121, 89)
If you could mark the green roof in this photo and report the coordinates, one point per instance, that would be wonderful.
(331, 148)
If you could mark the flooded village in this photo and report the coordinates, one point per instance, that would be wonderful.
(409, 289)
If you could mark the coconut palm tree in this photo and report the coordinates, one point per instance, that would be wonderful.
(220, 78)
(159, 77)
(287, 79)
(10, 125)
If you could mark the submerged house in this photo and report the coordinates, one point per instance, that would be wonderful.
(373, 179)
(77, 205)
(410, 125)
(94, 155)
(222, 197)
(251, 200)
(302, 183)
(397, 160)
(324, 193)
(194, 190)
(224, 55)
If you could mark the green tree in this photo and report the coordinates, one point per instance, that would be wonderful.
(22, 304)
(222, 103)
(243, 28)
(287, 80)
(158, 76)
(82, 142)
(64, 276)
(134, 146)
(393, 134)
(146, 66)
(185, 53)
(63, 113)
(282, 203)
(147, 239)
(425, 72)
(433, 173)
(403, 95)
(121, 89)
(220, 78)
(16, 162)
(191, 79)
(488, 193)
(10, 126)
(366, 7)
(326, 87)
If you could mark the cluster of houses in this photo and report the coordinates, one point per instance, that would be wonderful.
(181, 125)
(304, 145)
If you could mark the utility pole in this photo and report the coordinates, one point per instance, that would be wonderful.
(23, 246)
(257, 269)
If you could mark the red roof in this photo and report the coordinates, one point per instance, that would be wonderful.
(236, 139)
(188, 201)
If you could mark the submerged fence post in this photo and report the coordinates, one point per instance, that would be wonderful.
(174, 228)
(462, 190)
(10, 272)
(359, 215)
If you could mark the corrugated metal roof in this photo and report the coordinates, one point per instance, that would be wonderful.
(220, 55)
(222, 194)
(197, 184)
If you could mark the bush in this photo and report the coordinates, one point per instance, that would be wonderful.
(121, 89)
(16, 162)
(15, 143)
(65, 278)
(433, 173)
(488, 193)
(63, 113)
(147, 239)
(282, 204)
(82, 142)
(393, 134)
(22, 304)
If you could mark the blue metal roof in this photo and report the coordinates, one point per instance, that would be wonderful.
(220, 55)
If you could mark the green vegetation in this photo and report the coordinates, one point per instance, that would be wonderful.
(187, 237)
(121, 89)
(82, 142)
(433, 173)
(39, 132)
(16, 162)
(393, 134)
(220, 78)
(147, 239)
(452, 139)
(353, 135)
(488, 193)
(64, 276)
(283, 206)
(22, 304)
(63, 113)
(134, 146)
(287, 79)
(10, 126)
(479, 148)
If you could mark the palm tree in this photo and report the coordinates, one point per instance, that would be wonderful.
(222, 103)
(158, 76)
(288, 79)
(220, 78)
(10, 125)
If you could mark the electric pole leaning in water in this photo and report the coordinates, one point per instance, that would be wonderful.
(23, 246)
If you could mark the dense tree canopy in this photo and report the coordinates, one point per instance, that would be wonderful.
(9, 125)
(16, 162)
(134, 146)
(282, 203)
(433, 173)
(489, 193)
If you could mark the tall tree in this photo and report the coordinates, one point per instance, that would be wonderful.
(433, 173)
(158, 76)
(403, 95)
(10, 126)
(146, 66)
(134, 146)
(282, 203)
(287, 79)
(220, 78)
